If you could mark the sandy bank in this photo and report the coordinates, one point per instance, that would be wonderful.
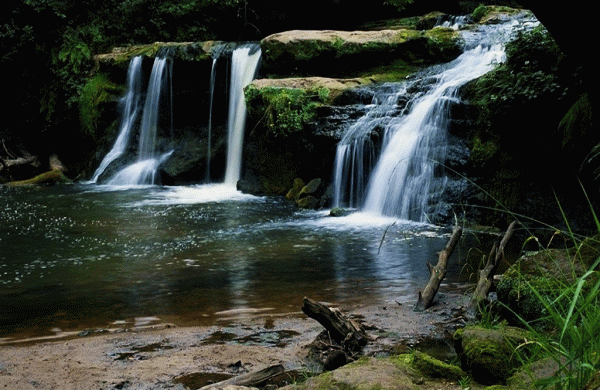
(181, 357)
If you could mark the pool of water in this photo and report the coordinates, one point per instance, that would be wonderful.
(90, 257)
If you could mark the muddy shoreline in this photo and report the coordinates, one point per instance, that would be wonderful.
(170, 357)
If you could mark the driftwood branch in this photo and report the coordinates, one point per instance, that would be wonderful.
(252, 379)
(438, 273)
(486, 275)
(17, 161)
(342, 330)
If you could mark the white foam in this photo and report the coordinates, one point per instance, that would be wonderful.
(205, 193)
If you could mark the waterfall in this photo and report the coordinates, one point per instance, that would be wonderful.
(210, 110)
(357, 151)
(244, 62)
(150, 118)
(147, 119)
(130, 106)
(143, 171)
(409, 170)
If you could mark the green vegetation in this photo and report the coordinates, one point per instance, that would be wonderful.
(284, 110)
(485, 11)
(554, 295)
(99, 89)
(442, 40)
(570, 312)
(518, 108)
(529, 72)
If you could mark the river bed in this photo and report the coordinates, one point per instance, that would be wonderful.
(79, 258)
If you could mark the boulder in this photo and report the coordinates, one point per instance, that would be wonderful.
(545, 271)
(295, 190)
(435, 368)
(311, 188)
(339, 212)
(308, 202)
(403, 372)
(489, 353)
(309, 195)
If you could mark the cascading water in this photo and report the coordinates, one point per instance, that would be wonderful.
(143, 170)
(130, 107)
(357, 151)
(244, 63)
(213, 75)
(416, 143)
(414, 147)
(216, 53)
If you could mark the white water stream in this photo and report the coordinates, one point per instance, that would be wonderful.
(408, 172)
(130, 107)
(143, 170)
(244, 62)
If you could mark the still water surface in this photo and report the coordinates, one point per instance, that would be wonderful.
(89, 257)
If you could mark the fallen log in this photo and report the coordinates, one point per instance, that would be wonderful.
(438, 273)
(7, 163)
(342, 330)
(50, 177)
(252, 379)
(486, 275)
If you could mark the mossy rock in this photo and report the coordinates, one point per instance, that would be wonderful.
(365, 374)
(434, 368)
(293, 193)
(189, 51)
(308, 202)
(311, 188)
(97, 91)
(491, 14)
(526, 377)
(283, 111)
(544, 274)
(340, 212)
(488, 354)
(327, 53)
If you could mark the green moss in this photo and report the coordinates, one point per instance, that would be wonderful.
(546, 277)
(443, 39)
(51, 177)
(435, 368)
(489, 353)
(98, 90)
(483, 12)
(481, 151)
(284, 110)
(480, 12)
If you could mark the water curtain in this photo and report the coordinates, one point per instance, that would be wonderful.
(408, 174)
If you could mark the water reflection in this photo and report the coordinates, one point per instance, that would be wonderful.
(77, 257)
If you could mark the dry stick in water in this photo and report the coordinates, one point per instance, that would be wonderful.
(438, 272)
(486, 275)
